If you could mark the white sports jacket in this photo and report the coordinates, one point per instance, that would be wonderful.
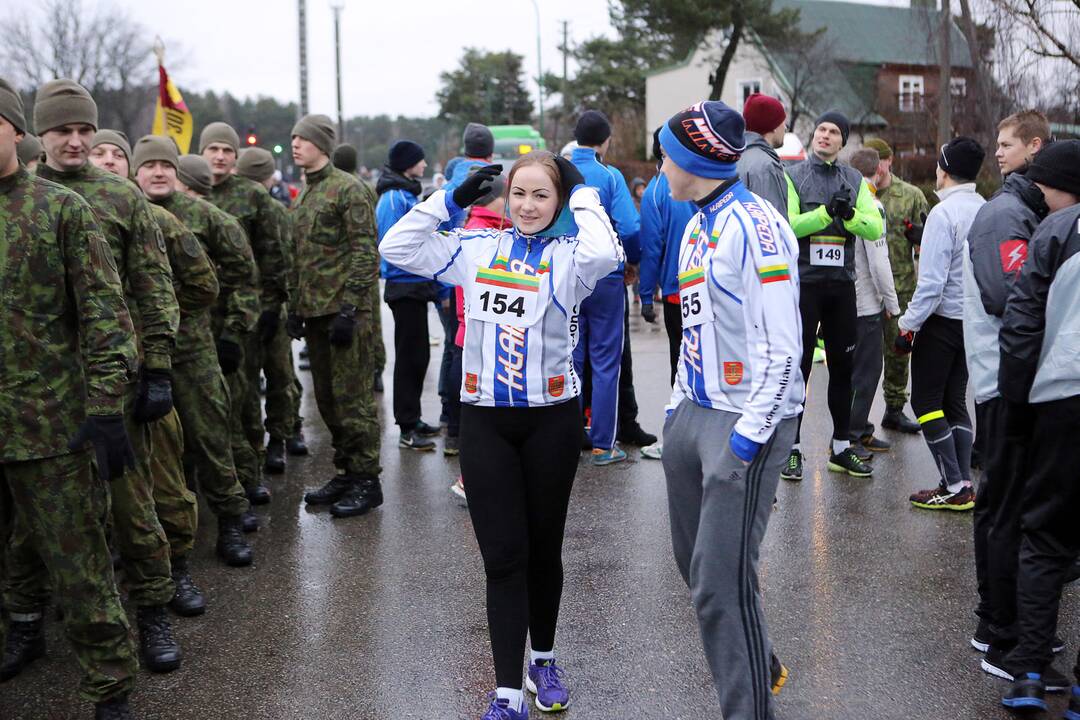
(521, 295)
(740, 257)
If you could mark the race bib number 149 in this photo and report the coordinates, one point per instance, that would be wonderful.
(827, 250)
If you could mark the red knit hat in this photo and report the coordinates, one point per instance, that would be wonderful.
(763, 113)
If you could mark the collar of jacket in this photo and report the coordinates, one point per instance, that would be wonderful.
(754, 139)
(393, 180)
(968, 187)
(817, 162)
(1016, 183)
(720, 190)
(585, 154)
(51, 173)
(320, 174)
(7, 184)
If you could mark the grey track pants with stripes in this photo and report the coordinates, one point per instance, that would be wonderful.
(719, 508)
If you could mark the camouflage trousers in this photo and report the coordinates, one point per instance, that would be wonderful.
(136, 533)
(283, 390)
(342, 378)
(177, 507)
(202, 401)
(377, 345)
(894, 385)
(62, 507)
(245, 414)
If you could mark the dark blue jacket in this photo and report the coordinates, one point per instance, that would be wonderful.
(615, 197)
(663, 221)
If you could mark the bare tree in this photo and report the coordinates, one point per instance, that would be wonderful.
(1053, 25)
(809, 63)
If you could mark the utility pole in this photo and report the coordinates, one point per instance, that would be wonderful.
(565, 57)
(944, 133)
(302, 10)
(539, 68)
(337, 61)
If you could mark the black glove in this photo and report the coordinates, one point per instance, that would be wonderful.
(839, 206)
(154, 400)
(569, 175)
(904, 342)
(294, 326)
(476, 186)
(343, 326)
(648, 312)
(229, 356)
(914, 232)
(267, 325)
(110, 441)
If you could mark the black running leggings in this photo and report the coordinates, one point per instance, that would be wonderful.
(833, 306)
(518, 466)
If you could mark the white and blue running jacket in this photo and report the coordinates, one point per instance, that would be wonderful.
(504, 365)
(745, 359)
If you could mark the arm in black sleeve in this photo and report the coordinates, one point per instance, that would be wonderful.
(1023, 321)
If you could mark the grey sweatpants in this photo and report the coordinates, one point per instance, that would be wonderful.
(867, 364)
(719, 508)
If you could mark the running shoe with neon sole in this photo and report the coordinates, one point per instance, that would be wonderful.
(501, 710)
(793, 470)
(545, 681)
(1027, 694)
(778, 674)
(1073, 711)
(846, 461)
(607, 457)
(939, 498)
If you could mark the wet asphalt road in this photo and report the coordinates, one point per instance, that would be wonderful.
(382, 617)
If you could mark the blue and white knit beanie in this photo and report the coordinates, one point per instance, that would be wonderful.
(705, 139)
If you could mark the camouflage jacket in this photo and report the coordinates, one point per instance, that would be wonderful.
(124, 216)
(288, 246)
(251, 204)
(902, 201)
(195, 283)
(224, 241)
(337, 256)
(67, 345)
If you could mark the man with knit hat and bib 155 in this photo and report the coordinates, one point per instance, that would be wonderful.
(67, 349)
(251, 205)
(759, 166)
(732, 416)
(336, 262)
(283, 390)
(67, 117)
(829, 205)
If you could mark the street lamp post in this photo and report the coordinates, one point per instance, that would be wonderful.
(337, 60)
(539, 68)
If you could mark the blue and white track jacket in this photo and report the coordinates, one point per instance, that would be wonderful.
(502, 365)
(746, 359)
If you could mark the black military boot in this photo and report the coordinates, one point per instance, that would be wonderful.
(275, 457)
(159, 649)
(365, 495)
(188, 600)
(377, 384)
(232, 547)
(331, 492)
(249, 521)
(296, 444)
(895, 419)
(25, 644)
(258, 494)
(115, 708)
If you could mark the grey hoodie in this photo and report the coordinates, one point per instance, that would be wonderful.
(762, 173)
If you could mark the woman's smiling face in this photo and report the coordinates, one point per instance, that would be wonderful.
(534, 199)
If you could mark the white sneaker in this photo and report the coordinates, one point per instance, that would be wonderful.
(654, 451)
(458, 488)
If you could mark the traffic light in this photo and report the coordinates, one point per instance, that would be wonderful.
(277, 149)
(252, 138)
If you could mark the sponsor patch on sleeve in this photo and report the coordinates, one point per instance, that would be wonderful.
(1013, 255)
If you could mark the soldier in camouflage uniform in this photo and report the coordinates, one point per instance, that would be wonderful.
(195, 284)
(251, 204)
(67, 350)
(336, 265)
(905, 211)
(283, 389)
(66, 115)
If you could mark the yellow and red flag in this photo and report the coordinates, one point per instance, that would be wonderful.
(172, 117)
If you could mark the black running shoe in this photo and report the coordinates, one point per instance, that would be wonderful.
(414, 440)
(875, 444)
(1028, 694)
(862, 453)
(778, 674)
(793, 470)
(995, 663)
(1073, 711)
(846, 461)
(425, 430)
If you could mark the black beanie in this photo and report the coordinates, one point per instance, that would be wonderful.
(592, 129)
(344, 158)
(962, 158)
(404, 154)
(838, 119)
(478, 141)
(1057, 165)
(657, 153)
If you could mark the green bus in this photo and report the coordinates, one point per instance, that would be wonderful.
(513, 141)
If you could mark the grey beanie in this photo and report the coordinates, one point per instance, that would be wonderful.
(11, 106)
(62, 102)
(112, 137)
(155, 147)
(478, 141)
(29, 149)
(194, 172)
(317, 129)
(218, 132)
(255, 164)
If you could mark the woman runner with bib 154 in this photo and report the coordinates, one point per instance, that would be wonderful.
(520, 419)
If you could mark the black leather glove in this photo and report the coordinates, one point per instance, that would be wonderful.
(111, 444)
(229, 356)
(267, 325)
(914, 232)
(648, 312)
(904, 342)
(343, 327)
(476, 186)
(154, 400)
(294, 326)
(570, 176)
(839, 206)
